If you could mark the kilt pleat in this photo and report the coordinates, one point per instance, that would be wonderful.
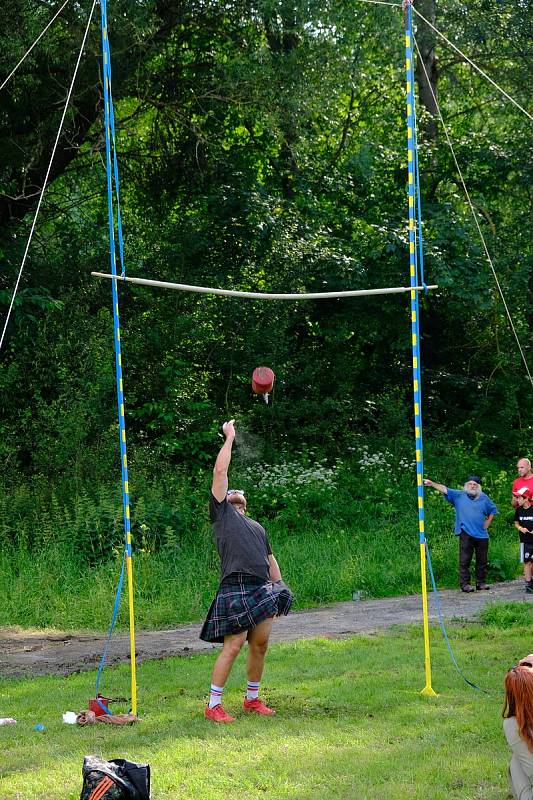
(242, 602)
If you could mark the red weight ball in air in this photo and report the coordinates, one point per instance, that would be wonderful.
(262, 380)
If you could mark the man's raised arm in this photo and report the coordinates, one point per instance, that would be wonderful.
(219, 486)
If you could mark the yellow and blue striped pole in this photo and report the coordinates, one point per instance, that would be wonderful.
(415, 331)
(118, 355)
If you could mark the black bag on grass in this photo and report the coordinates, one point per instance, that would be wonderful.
(117, 779)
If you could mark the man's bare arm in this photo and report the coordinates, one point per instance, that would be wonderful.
(219, 486)
(275, 572)
(440, 487)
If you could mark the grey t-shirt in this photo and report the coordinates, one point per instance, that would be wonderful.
(242, 543)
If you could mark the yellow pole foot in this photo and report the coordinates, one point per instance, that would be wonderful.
(428, 691)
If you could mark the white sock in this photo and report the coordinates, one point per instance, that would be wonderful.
(252, 690)
(215, 696)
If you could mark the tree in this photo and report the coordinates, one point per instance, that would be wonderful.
(263, 146)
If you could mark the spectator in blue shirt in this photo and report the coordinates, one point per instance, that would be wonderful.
(474, 511)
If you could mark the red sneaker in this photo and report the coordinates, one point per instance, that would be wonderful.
(257, 706)
(217, 714)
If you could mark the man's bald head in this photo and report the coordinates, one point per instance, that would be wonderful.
(524, 468)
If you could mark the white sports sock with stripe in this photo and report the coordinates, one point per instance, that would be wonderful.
(252, 690)
(215, 696)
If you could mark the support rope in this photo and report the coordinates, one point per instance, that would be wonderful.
(412, 167)
(110, 171)
(262, 295)
(472, 64)
(45, 182)
(26, 54)
(110, 631)
(107, 70)
(466, 58)
(424, 548)
(443, 626)
(478, 226)
(418, 195)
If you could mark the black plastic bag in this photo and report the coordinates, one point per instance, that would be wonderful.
(117, 779)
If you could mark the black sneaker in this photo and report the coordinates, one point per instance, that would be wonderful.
(529, 587)
(480, 586)
(467, 588)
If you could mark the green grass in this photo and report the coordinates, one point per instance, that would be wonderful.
(351, 723)
(323, 562)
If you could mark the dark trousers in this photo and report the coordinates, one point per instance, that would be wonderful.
(467, 545)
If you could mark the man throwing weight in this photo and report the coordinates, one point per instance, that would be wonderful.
(251, 592)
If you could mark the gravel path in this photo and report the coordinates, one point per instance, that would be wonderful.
(24, 653)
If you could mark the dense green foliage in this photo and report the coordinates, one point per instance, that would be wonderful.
(261, 145)
(350, 721)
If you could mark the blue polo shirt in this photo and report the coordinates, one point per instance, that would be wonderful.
(470, 514)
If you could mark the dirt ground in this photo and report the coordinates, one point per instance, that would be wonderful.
(25, 653)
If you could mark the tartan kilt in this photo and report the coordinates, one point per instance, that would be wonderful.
(242, 602)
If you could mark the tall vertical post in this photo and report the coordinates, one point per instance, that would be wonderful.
(118, 355)
(415, 330)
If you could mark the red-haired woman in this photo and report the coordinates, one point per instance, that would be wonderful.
(518, 727)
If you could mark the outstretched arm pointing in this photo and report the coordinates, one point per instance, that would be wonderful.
(440, 487)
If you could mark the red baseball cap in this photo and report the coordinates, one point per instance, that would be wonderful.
(524, 491)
